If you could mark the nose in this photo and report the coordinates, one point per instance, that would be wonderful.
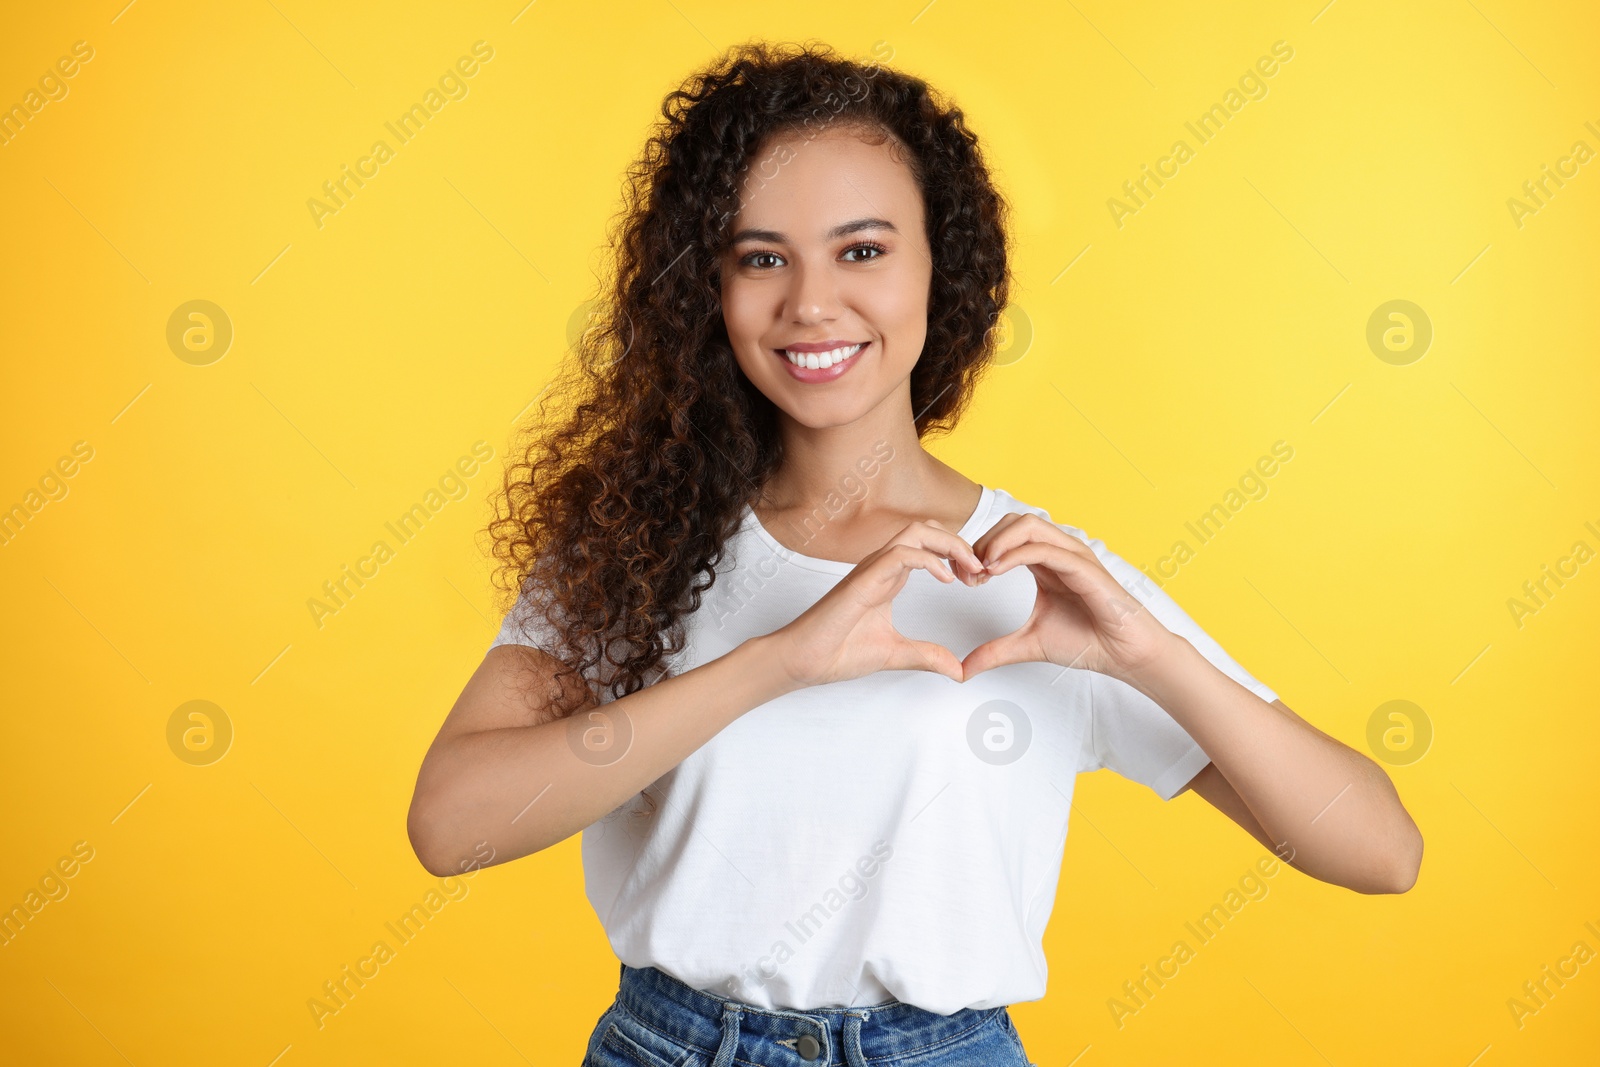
(813, 295)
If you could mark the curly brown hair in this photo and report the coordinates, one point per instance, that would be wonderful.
(612, 520)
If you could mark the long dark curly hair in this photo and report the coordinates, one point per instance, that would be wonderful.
(613, 515)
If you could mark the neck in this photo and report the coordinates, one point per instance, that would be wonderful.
(877, 462)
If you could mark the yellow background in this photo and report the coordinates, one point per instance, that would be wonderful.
(369, 354)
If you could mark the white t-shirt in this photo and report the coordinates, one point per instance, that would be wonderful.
(894, 836)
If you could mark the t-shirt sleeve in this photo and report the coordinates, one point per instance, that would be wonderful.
(1132, 734)
(525, 624)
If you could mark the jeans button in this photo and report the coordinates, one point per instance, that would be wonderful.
(808, 1047)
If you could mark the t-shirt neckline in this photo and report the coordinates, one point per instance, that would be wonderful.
(968, 530)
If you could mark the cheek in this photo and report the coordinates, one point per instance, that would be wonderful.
(740, 316)
(902, 311)
(750, 362)
(745, 330)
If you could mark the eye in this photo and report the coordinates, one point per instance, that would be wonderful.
(871, 246)
(876, 249)
(746, 260)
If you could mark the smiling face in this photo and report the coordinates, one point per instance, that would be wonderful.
(829, 251)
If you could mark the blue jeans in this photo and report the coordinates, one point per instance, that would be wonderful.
(658, 1021)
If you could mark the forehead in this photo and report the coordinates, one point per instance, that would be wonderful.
(801, 185)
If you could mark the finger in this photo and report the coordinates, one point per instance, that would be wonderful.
(966, 562)
(928, 656)
(983, 542)
(956, 550)
(935, 538)
(1012, 648)
(912, 558)
(1084, 576)
(1034, 530)
(879, 578)
(1026, 529)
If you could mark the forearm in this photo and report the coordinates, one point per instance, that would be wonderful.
(522, 789)
(1329, 810)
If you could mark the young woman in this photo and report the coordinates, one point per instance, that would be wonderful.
(816, 699)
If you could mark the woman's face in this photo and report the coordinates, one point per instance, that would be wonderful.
(829, 251)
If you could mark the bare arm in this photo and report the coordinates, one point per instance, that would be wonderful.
(503, 769)
(1210, 784)
(1335, 810)
(1332, 812)
(508, 771)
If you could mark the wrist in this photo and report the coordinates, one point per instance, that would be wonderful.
(764, 665)
(1157, 677)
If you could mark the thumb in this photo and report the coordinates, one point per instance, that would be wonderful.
(929, 656)
(997, 653)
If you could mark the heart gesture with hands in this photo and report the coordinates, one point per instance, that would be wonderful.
(1082, 616)
(850, 632)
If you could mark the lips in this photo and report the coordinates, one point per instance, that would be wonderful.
(822, 346)
(847, 354)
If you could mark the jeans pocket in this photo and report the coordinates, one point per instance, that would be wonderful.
(629, 1042)
(1016, 1038)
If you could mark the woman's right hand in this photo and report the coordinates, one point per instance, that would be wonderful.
(849, 632)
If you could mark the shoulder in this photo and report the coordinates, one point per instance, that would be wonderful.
(1128, 575)
(1004, 503)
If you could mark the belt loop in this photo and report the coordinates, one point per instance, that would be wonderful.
(851, 1039)
(730, 1037)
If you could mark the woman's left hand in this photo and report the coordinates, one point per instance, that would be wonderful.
(1082, 617)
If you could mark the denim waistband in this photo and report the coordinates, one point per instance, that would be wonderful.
(846, 1036)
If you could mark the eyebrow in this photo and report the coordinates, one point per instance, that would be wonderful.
(842, 230)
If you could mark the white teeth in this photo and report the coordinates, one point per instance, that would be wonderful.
(821, 360)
